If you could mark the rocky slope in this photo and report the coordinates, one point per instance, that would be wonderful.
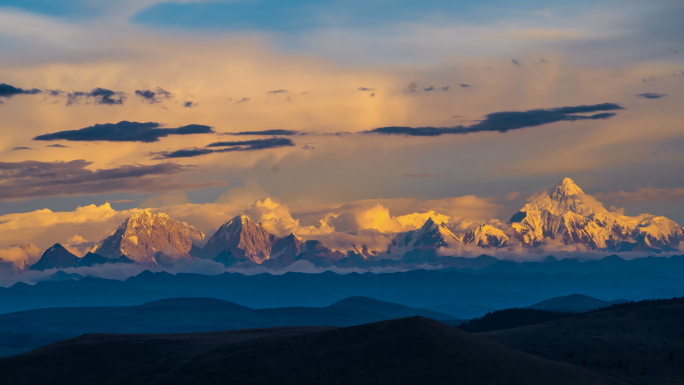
(150, 238)
(485, 236)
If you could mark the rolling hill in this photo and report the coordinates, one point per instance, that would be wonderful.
(412, 350)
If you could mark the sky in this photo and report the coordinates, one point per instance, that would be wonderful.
(308, 111)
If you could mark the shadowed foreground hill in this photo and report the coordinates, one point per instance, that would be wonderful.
(411, 350)
(642, 343)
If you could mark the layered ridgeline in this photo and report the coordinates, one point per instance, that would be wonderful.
(566, 215)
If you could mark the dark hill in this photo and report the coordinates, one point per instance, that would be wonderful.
(642, 343)
(390, 309)
(413, 351)
(574, 303)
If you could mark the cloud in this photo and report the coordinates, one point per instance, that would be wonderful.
(21, 148)
(8, 91)
(464, 85)
(277, 92)
(412, 87)
(21, 256)
(265, 132)
(644, 194)
(508, 120)
(428, 89)
(189, 104)
(277, 219)
(97, 96)
(256, 144)
(125, 131)
(422, 175)
(156, 96)
(515, 62)
(243, 100)
(651, 95)
(362, 89)
(57, 145)
(246, 145)
(33, 179)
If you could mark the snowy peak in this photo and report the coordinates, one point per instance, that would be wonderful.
(145, 236)
(574, 217)
(430, 235)
(565, 197)
(485, 235)
(242, 239)
(567, 187)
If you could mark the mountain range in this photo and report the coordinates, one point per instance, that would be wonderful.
(566, 215)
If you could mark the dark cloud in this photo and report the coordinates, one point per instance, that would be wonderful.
(412, 87)
(515, 61)
(446, 88)
(21, 148)
(7, 91)
(278, 92)
(56, 145)
(651, 95)
(33, 179)
(265, 132)
(428, 89)
(231, 146)
(306, 147)
(256, 144)
(189, 104)
(372, 95)
(464, 85)
(125, 132)
(156, 96)
(365, 89)
(509, 120)
(97, 96)
(243, 100)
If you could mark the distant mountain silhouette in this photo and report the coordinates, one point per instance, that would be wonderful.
(413, 350)
(573, 303)
(180, 315)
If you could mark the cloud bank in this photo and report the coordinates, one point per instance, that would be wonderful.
(34, 179)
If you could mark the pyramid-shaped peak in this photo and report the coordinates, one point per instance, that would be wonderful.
(56, 246)
(239, 219)
(568, 187)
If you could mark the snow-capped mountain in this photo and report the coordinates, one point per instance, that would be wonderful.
(55, 257)
(565, 215)
(430, 236)
(570, 215)
(146, 237)
(240, 239)
(485, 235)
(243, 242)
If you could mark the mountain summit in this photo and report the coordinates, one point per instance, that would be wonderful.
(145, 237)
(240, 239)
(570, 215)
(566, 197)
